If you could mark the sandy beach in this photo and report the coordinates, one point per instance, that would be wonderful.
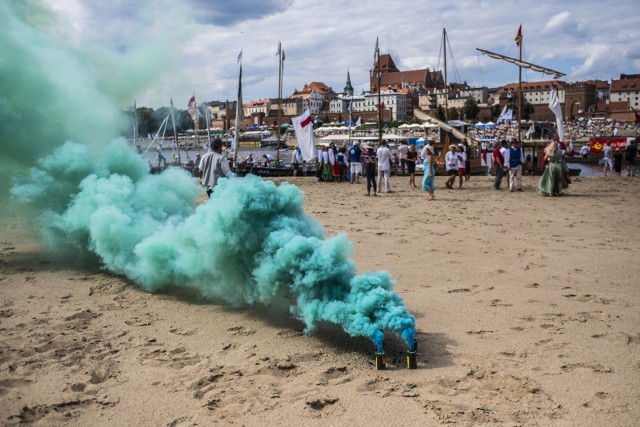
(527, 311)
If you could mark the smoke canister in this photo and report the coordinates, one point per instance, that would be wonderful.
(381, 360)
(412, 360)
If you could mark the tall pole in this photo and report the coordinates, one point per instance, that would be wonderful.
(520, 93)
(446, 88)
(175, 131)
(279, 102)
(379, 77)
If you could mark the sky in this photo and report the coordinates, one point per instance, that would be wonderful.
(176, 49)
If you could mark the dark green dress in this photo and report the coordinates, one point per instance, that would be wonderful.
(553, 180)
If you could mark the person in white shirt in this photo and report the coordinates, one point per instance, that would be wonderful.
(584, 151)
(403, 149)
(213, 166)
(451, 160)
(384, 166)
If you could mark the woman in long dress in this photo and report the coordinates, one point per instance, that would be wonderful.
(428, 179)
(553, 179)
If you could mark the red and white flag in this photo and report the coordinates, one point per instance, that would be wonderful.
(191, 102)
(304, 134)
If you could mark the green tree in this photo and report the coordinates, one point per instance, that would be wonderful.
(440, 113)
(470, 109)
(147, 124)
(453, 114)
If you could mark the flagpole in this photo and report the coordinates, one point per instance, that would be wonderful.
(520, 91)
(135, 124)
(279, 102)
(175, 131)
(379, 76)
(446, 89)
(350, 108)
(239, 115)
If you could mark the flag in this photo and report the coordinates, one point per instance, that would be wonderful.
(518, 38)
(506, 115)
(637, 115)
(358, 122)
(376, 52)
(530, 132)
(350, 108)
(304, 134)
(279, 49)
(239, 57)
(191, 102)
(239, 115)
(554, 105)
(382, 105)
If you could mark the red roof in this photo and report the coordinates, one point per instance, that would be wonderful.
(625, 85)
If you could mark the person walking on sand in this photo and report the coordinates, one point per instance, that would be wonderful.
(462, 161)
(516, 160)
(403, 149)
(370, 169)
(607, 158)
(355, 158)
(384, 166)
(428, 180)
(498, 164)
(410, 159)
(467, 159)
(630, 157)
(553, 179)
(213, 166)
(451, 160)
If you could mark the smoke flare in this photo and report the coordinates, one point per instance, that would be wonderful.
(251, 243)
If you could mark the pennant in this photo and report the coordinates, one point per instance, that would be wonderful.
(192, 101)
(235, 144)
(376, 52)
(239, 57)
(518, 38)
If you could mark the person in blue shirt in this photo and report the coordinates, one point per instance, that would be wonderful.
(355, 159)
(516, 160)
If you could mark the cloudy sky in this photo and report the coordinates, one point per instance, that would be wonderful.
(198, 41)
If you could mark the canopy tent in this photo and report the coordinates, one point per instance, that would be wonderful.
(403, 126)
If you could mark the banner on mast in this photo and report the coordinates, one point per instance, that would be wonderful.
(304, 134)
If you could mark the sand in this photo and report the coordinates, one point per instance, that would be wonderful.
(527, 312)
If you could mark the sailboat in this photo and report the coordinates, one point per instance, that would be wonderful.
(244, 168)
(449, 134)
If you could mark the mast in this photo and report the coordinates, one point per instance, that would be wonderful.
(280, 60)
(519, 37)
(446, 88)
(379, 77)
(135, 124)
(175, 131)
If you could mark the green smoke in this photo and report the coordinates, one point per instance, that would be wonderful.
(251, 243)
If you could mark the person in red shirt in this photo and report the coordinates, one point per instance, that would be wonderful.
(498, 164)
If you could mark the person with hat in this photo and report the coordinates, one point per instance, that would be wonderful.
(516, 160)
(355, 159)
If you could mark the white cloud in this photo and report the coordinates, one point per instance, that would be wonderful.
(324, 39)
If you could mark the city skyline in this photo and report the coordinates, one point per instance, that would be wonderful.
(175, 50)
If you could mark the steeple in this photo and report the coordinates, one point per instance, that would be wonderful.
(348, 89)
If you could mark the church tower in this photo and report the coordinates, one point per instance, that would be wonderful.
(348, 89)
